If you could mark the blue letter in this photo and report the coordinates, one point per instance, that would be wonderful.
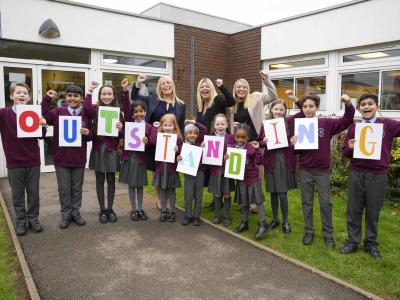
(74, 131)
(309, 133)
(189, 158)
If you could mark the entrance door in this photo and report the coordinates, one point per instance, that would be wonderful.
(40, 79)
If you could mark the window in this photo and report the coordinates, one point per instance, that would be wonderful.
(114, 79)
(357, 84)
(44, 52)
(371, 55)
(13, 75)
(390, 90)
(296, 64)
(134, 61)
(302, 86)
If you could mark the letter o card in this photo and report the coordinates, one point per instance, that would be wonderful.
(28, 118)
(234, 165)
(166, 143)
(213, 151)
(107, 119)
(275, 132)
(368, 144)
(134, 134)
(69, 131)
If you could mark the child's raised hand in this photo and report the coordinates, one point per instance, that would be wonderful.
(219, 82)
(93, 85)
(176, 148)
(292, 97)
(42, 122)
(189, 121)
(263, 75)
(124, 84)
(255, 144)
(293, 140)
(226, 156)
(235, 124)
(265, 140)
(141, 78)
(156, 124)
(84, 131)
(145, 140)
(179, 158)
(202, 145)
(51, 93)
(351, 143)
(346, 100)
(119, 125)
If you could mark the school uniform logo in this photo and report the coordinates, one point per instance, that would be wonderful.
(321, 132)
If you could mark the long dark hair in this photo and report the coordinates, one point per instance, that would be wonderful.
(114, 103)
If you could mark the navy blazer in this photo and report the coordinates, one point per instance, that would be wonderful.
(151, 105)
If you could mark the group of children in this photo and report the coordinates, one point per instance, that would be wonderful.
(23, 161)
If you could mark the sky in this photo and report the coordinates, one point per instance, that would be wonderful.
(252, 12)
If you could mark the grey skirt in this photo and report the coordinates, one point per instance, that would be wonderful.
(282, 178)
(104, 161)
(165, 181)
(249, 194)
(220, 184)
(133, 173)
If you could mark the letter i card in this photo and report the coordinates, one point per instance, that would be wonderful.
(234, 165)
(368, 141)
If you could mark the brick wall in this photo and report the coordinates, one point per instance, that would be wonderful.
(217, 55)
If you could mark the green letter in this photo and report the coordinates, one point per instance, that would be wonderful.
(109, 115)
(232, 158)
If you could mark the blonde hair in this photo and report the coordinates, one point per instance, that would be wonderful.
(213, 93)
(249, 97)
(172, 119)
(215, 118)
(174, 96)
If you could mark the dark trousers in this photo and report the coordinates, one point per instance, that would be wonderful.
(193, 190)
(322, 180)
(70, 181)
(21, 180)
(366, 191)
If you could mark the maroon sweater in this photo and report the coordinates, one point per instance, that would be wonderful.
(320, 159)
(269, 156)
(216, 170)
(253, 158)
(391, 130)
(69, 157)
(91, 110)
(159, 164)
(20, 152)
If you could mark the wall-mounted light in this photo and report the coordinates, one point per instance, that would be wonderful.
(280, 66)
(110, 60)
(49, 29)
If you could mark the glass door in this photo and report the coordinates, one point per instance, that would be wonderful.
(56, 78)
(12, 73)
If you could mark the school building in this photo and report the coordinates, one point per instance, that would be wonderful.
(348, 48)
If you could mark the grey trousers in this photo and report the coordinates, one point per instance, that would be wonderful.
(366, 191)
(22, 179)
(193, 190)
(322, 180)
(70, 181)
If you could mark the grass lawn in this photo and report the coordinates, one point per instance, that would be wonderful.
(379, 277)
(11, 282)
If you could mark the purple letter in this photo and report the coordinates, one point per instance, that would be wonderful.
(135, 137)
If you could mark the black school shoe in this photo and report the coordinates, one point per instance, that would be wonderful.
(103, 217)
(227, 222)
(21, 229)
(196, 222)
(286, 228)
(330, 243)
(244, 226)
(262, 230)
(308, 239)
(374, 252)
(142, 215)
(186, 221)
(273, 225)
(134, 215)
(112, 217)
(171, 217)
(35, 226)
(216, 220)
(163, 216)
(348, 248)
(78, 220)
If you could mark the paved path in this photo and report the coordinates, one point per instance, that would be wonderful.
(151, 260)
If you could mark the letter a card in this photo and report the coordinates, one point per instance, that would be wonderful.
(190, 159)
(234, 165)
(368, 141)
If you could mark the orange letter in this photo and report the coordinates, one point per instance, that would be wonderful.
(363, 148)
(165, 146)
(276, 134)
